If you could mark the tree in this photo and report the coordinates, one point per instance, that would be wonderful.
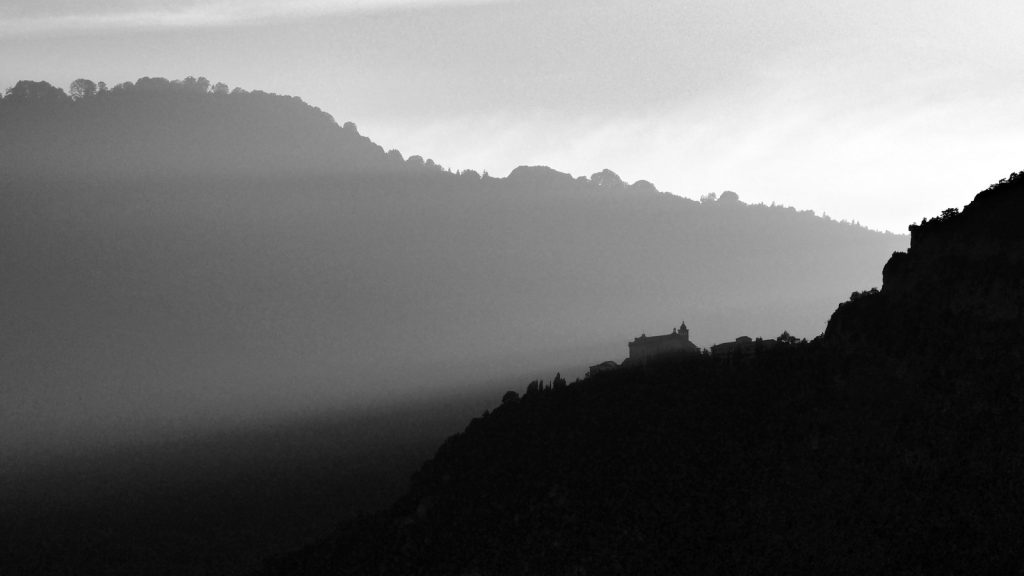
(643, 186)
(30, 91)
(200, 84)
(607, 179)
(729, 196)
(82, 88)
(220, 88)
(786, 338)
(153, 84)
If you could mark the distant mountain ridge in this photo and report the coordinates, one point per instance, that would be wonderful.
(138, 130)
(180, 254)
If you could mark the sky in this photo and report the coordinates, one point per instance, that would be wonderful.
(876, 112)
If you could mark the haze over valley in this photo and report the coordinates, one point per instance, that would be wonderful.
(196, 260)
(203, 284)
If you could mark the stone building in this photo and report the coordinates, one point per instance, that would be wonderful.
(646, 348)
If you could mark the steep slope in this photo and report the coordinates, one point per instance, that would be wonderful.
(892, 445)
(958, 291)
(176, 259)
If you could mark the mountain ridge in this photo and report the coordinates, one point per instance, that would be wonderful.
(29, 102)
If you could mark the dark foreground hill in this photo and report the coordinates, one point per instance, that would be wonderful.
(179, 259)
(894, 444)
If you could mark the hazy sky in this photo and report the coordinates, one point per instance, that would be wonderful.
(881, 112)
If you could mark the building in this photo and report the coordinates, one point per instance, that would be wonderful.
(646, 348)
(743, 346)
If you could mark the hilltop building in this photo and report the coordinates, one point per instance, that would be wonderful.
(743, 346)
(646, 348)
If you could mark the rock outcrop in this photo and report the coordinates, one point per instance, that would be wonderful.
(957, 293)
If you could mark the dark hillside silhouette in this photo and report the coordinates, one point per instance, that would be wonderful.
(957, 292)
(890, 445)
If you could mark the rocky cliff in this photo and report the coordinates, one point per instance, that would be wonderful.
(957, 294)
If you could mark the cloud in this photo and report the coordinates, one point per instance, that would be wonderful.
(30, 18)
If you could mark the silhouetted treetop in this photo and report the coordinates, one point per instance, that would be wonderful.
(82, 88)
(728, 196)
(538, 174)
(607, 179)
(29, 91)
(644, 187)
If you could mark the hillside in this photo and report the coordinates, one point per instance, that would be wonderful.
(890, 445)
(956, 293)
(154, 129)
(181, 257)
